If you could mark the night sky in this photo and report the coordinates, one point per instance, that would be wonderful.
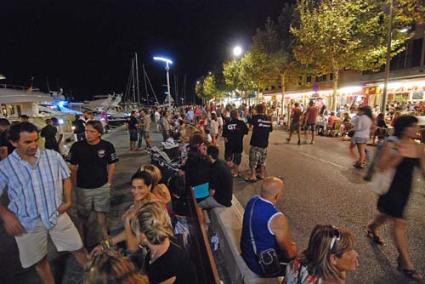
(86, 46)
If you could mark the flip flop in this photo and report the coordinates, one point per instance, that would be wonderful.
(260, 177)
(235, 176)
(375, 238)
(250, 180)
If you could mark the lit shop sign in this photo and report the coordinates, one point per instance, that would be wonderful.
(348, 90)
(418, 95)
(405, 87)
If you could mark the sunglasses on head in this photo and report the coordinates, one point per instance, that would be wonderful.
(336, 236)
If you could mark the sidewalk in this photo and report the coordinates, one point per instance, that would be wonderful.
(65, 267)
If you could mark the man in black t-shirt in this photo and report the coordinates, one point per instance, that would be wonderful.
(6, 148)
(262, 126)
(221, 188)
(92, 169)
(79, 128)
(233, 133)
(49, 134)
(132, 130)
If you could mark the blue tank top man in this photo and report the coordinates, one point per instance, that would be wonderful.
(270, 228)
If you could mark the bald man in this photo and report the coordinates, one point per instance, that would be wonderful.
(267, 225)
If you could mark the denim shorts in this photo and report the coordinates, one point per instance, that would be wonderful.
(359, 140)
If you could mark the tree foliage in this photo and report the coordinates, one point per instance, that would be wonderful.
(209, 88)
(334, 35)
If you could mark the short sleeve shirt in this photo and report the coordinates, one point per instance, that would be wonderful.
(49, 133)
(234, 131)
(132, 123)
(222, 183)
(262, 126)
(92, 161)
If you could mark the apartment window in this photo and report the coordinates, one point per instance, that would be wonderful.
(324, 77)
(398, 61)
(416, 51)
(308, 79)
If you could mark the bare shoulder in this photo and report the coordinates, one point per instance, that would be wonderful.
(279, 221)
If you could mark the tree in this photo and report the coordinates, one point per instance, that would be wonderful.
(272, 49)
(334, 35)
(208, 88)
(241, 75)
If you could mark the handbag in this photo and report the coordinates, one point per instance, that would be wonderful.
(268, 259)
(382, 181)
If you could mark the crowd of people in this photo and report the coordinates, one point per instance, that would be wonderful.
(150, 251)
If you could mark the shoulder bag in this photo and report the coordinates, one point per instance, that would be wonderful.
(383, 179)
(267, 259)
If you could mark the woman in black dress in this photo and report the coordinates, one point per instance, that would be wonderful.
(403, 156)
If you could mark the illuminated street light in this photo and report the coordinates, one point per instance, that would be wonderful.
(2, 77)
(237, 51)
(167, 62)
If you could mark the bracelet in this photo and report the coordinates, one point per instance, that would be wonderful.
(106, 244)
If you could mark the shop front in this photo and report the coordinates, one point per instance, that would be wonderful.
(399, 92)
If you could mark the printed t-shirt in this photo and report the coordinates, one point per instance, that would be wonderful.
(262, 126)
(92, 161)
(234, 131)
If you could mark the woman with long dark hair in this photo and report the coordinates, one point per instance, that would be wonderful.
(402, 157)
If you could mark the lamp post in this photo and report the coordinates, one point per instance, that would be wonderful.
(388, 59)
(237, 51)
(167, 62)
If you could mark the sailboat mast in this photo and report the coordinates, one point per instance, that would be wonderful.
(133, 86)
(176, 89)
(137, 77)
(146, 86)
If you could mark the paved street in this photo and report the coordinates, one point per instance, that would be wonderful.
(324, 188)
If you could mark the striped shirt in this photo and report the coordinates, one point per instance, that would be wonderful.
(35, 191)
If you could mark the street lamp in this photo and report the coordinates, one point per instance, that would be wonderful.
(167, 62)
(237, 51)
(2, 77)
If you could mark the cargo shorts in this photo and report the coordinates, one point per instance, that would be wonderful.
(257, 156)
(93, 199)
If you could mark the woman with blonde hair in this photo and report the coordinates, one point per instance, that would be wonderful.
(166, 262)
(159, 190)
(327, 259)
(110, 267)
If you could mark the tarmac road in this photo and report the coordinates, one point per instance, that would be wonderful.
(322, 187)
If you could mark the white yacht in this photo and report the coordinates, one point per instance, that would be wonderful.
(16, 101)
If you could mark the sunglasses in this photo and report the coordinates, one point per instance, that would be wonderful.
(336, 236)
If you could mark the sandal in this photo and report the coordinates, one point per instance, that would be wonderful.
(235, 176)
(375, 238)
(260, 177)
(409, 273)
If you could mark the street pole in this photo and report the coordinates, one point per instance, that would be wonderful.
(167, 68)
(388, 59)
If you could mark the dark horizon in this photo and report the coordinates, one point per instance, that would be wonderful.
(86, 47)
